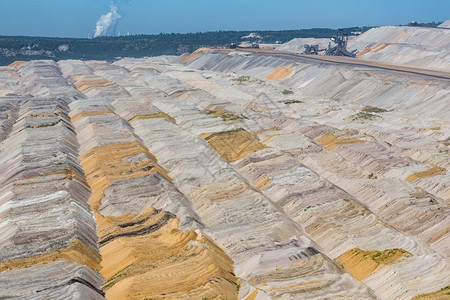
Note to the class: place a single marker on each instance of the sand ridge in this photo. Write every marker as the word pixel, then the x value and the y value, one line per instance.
pixel 362 263
pixel 138 250
pixel 281 73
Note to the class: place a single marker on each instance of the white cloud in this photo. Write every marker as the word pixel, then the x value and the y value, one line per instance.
pixel 106 22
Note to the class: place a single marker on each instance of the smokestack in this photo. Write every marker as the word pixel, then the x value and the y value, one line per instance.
pixel 107 23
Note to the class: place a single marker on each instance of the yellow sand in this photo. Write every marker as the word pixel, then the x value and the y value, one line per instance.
pixel 233 145
pixel 190 57
pixel 374 49
pixel 90 113
pixel 330 142
pixel 380 47
pixel 220 112
pixel 70 174
pixel 153 116
pixel 263 182
pixel 428 129
pixel 17 63
pixel 281 73
pixel 442 294
pixel 362 263
pixel 146 255
pixel 84 85
pixel 164 263
pixel 252 296
pixel 433 171
pixel 363 52
pixel 77 252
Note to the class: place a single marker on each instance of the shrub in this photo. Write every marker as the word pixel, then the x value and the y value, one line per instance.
pixel 373 109
pixel 242 79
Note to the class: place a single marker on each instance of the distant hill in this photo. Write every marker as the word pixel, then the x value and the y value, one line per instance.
pixel 14 48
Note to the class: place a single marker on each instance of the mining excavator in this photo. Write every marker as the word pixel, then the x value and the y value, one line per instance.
pixel 339 49
pixel 312 49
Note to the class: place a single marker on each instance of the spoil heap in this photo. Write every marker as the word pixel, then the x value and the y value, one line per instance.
pixel 414 46
pixel 147 178
pixel 49 245
pixel 141 243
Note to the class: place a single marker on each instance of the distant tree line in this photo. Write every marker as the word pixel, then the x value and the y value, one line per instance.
pixel 108 48
pixel 428 24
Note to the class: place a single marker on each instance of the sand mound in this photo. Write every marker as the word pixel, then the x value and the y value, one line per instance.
pixel 145 254
pixel 331 142
pixel 433 171
pixel 233 145
pixel 362 263
pixel 281 73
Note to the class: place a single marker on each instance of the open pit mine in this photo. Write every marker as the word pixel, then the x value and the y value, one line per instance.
pixel 230 174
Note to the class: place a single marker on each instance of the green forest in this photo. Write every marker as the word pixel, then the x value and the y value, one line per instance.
pixel 14 48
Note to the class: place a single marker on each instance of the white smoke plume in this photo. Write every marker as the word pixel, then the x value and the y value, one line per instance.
pixel 106 23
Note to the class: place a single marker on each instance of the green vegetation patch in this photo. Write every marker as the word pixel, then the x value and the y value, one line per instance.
pixel 226 116
pixel 364 116
pixel 373 109
pixel 287 92
pixel 292 101
pixel 379 257
pixel 242 79
pixel 371 176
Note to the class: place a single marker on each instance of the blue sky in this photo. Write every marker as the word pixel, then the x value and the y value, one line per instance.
pixel 77 18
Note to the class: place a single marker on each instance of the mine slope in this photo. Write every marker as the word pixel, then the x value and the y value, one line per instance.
pixel 414 46
pixel 223 175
